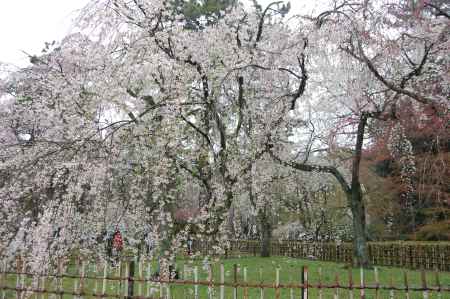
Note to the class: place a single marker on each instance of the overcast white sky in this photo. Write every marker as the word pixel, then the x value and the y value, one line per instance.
pixel 26 24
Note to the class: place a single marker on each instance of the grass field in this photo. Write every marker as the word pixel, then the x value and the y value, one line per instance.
pixel 259 270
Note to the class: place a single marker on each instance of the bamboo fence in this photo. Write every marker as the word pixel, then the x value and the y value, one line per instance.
pixel 136 279
pixel 417 255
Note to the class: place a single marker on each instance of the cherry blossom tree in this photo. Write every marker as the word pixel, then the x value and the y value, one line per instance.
pixel 105 127
pixel 378 53
pixel 97 125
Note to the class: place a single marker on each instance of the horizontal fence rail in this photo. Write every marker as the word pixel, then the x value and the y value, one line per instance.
pixel 136 279
pixel 404 255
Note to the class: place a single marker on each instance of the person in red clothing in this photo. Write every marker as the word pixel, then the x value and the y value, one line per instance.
pixel 117 241
pixel 115 246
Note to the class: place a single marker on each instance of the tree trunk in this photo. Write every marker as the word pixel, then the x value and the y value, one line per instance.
pixel 266 233
pixel 230 223
pixel 359 229
pixel 356 201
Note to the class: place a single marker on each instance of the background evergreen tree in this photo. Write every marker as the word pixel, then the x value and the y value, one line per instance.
pixel 201 13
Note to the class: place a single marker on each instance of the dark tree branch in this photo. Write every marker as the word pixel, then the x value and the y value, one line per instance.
pixel 141 8
pixel 310 142
pixel 304 78
pixel 420 98
pixel 203 77
pixel 238 39
pixel 261 22
pixel 418 69
pixel 440 11
pixel 132 117
pixel 313 168
pixel 197 129
pixel 240 103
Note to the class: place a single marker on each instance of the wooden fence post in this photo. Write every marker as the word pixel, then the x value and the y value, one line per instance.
pixel 363 290
pixel 18 276
pixel 119 278
pixel 235 281
pixel 391 287
pixel 222 281
pixel 262 281
pixel 75 281
pixel 42 288
pixel 210 280
pixel 3 279
pixel 320 283
pixel 277 283
pixel 82 274
pixel 405 276
pixel 196 282
pixel 350 283
pixel 438 285
pixel 424 284
pixel 105 272
pixel 291 290
pixel 377 283
pixel 161 289
pixel 304 282
pixel 169 278
pixel 140 265
pixel 95 291
pixel 336 289
pixel 130 278
pixel 149 276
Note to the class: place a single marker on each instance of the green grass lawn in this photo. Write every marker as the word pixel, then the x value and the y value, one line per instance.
pixel 259 270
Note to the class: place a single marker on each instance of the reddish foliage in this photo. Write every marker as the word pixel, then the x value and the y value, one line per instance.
pixel 428 130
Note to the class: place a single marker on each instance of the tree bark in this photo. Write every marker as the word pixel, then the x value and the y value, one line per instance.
pixel 356 201
pixel 359 229
pixel 266 233
pixel 230 224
